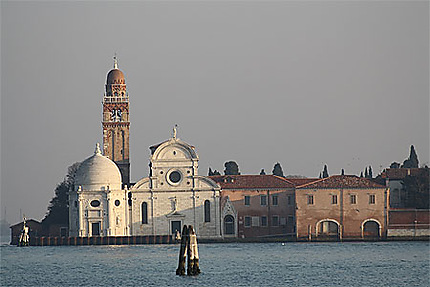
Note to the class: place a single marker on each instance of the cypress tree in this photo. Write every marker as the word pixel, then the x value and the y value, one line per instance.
pixel 325 172
pixel 262 172
pixel 342 172
pixel 413 157
pixel 370 172
pixel 277 170
pixel 366 174
pixel 412 161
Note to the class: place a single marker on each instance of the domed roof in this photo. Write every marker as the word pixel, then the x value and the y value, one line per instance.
pixel 114 77
pixel 98 172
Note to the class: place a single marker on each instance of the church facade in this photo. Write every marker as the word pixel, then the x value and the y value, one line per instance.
pixel 174 194
pixel 103 202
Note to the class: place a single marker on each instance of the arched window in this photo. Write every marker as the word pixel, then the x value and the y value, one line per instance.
pixel 144 213
pixel 207 211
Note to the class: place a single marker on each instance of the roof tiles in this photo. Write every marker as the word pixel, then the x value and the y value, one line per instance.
pixel 251 181
pixel 341 181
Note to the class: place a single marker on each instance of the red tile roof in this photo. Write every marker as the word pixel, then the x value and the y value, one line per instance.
pixel 341 181
pixel 251 181
pixel 300 181
pixel 401 173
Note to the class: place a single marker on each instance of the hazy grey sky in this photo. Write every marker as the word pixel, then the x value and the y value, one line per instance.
pixel 304 83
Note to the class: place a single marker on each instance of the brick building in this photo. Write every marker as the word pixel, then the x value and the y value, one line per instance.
pixel 256 205
pixel 340 207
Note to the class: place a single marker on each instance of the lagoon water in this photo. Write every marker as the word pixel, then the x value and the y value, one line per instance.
pixel 232 264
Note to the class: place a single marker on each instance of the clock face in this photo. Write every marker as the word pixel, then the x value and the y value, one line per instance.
pixel 116 115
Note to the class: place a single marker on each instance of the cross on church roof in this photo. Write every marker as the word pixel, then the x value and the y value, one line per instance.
pixel 115 62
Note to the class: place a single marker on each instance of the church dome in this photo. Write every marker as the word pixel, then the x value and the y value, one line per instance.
pixel 97 173
pixel 115 77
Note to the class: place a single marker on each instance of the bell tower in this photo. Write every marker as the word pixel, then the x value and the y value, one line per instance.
pixel 116 122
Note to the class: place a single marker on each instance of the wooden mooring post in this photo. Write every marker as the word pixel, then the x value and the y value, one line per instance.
pixel 189 251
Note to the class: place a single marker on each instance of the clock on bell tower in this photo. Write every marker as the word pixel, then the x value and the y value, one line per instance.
pixel 116 122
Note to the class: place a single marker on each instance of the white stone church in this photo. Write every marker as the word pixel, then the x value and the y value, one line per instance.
pixel 102 202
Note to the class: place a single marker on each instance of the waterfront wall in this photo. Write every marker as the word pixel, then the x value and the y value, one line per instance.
pixel 409 223
pixel 108 240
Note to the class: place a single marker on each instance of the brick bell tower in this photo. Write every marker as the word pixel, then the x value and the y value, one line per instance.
pixel 116 122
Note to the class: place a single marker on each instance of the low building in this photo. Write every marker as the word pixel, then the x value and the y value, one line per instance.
pixel 341 206
pixel 35 230
pixel 256 205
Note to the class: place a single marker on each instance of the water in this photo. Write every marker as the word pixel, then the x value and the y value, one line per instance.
pixel 241 264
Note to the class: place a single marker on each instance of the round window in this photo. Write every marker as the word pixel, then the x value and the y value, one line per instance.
pixel 117 202
pixel 175 176
pixel 95 203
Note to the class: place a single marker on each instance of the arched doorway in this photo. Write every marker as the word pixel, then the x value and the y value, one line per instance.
pixel 371 229
pixel 229 225
pixel 328 229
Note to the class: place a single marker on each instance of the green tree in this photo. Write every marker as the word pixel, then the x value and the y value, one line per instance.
pixel 262 172
pixel 395 165
pixel 325 172
pixel 370 173
pixel 366 174
pixel 231 168
pixel 214 172
pixel 342 172
pixel 417 191
pixel 412 161
pixel 58 209
pixel 277 170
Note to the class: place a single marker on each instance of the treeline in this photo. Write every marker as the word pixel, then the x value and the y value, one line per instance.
pixel 232 168
pixel 415 185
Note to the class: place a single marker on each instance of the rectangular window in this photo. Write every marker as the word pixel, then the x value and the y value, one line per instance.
pixel 334 199
pixel 274 200
pixel 353 198
pixel 372 199
pixel 247 200
pixel 263 199
pixel 283 221
pixel 247 221
pixel 275 220
pixel 290 200
pixel 310 199
pixel 255 221
pixel 263 221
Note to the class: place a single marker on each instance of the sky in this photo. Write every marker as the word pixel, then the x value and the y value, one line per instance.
pixel 302 83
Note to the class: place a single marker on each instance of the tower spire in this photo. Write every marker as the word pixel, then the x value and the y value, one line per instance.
pixel 115 62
